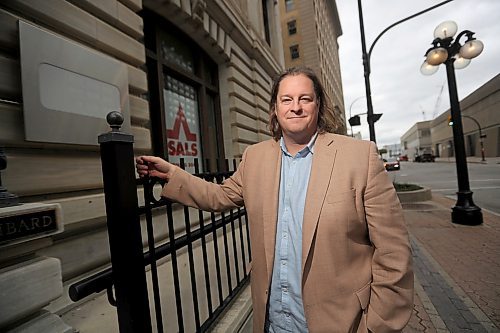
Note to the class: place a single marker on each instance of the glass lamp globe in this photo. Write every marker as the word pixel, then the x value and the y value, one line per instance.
pixel 428 69
pixel 471 49
pixel 460 62
pixel 445 30
pixel 437 56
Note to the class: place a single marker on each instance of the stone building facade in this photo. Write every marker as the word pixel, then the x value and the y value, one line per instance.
pixel 417 140
pixel 207 64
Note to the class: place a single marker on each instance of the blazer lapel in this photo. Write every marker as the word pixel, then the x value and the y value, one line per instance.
pixel 321 171
pixel 271 173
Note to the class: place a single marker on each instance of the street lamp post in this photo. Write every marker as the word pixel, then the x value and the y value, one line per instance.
pixel 371 117
pixel 366 66
pixel 449 51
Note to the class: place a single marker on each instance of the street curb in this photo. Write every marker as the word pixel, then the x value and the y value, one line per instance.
pixel 424 194
pixel 436 320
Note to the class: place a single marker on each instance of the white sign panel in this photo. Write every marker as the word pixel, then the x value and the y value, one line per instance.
pixel 182 123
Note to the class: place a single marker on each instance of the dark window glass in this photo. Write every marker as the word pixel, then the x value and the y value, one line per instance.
pixel 183 95
pixel 265 15
pixel 294 51
pixel 292 27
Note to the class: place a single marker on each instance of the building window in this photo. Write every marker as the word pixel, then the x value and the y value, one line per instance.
pixel 183 96
pixel 265 16
pixel 292 27
pixel 294 51
pixel 288 5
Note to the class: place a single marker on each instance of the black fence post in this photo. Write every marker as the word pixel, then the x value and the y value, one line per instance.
pixel 124 230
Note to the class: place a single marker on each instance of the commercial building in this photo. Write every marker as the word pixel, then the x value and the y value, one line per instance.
pixel 192 79
pixel 480 121
pixel 417 140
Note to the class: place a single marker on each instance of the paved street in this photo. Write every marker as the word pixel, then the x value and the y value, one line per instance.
pixel 441 177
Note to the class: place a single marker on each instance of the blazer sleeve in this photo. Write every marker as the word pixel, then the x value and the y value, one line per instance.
pixel 198 193
pixel 391 299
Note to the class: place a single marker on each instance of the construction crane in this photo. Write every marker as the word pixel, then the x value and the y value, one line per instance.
pixel 438 102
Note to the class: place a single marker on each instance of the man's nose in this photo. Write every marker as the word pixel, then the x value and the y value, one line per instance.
pixel 296 105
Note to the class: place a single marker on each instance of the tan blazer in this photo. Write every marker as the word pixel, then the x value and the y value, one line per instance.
pixel 356 258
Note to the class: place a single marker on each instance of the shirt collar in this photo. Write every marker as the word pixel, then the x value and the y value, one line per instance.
pixel 309 148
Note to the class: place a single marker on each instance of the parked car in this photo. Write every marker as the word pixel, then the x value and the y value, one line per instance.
pixel 391 164
pixel 425 158
pixel 403 158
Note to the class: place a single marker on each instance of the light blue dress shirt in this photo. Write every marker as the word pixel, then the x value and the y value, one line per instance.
pixel 286 311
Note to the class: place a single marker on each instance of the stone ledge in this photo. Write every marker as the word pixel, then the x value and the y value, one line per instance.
pixel 27 287
pixel 235 318
pixel 423 194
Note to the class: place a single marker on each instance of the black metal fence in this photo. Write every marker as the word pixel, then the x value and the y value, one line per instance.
pixel 194 264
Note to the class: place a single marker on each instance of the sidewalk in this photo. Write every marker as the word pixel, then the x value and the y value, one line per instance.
pixel 471 159
pixel 457 270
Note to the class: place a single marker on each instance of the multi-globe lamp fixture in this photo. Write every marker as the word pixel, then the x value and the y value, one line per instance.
pixel 447 49
pixel 444 48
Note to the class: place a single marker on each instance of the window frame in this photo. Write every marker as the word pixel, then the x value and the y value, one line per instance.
pixel 158 69
pixel 292 27
pixel 294 50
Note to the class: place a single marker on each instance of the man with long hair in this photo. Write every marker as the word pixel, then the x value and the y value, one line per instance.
pixel 330 249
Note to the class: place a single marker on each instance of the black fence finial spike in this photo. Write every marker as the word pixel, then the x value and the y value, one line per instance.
pixel 115 120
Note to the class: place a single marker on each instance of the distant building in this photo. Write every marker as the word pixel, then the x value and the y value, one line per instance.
pixel 393 150
pixel 480 122
pixel 310 30
pixel 417 140
pixel 479 110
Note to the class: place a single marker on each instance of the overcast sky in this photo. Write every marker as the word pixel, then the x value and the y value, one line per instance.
pixel 399 90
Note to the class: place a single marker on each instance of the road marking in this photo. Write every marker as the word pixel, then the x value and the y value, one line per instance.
pixel 472 188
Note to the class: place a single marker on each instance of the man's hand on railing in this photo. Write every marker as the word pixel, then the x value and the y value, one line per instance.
pixel 153 166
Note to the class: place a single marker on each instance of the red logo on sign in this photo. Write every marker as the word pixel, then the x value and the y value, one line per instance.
pixel 180 119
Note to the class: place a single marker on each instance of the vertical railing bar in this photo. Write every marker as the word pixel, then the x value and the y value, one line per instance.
pixel 240 224
pixel 233 233
pixel 226 245
pixel 216 249
pixel 217 259
pixel 235 247
pixel 248 238
pixel 192 272
pixel 148 190
pixel 226 252
pixel 175 270
pixel 243 256
pixel 204 251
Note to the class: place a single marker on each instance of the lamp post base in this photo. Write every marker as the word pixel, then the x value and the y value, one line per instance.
pixel 465 211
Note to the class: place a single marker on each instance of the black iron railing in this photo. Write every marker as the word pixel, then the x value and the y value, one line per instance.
pixel 214 248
